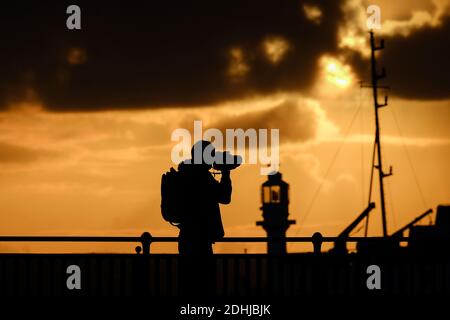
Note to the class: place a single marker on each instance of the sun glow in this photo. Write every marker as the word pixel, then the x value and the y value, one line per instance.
pixel 336 73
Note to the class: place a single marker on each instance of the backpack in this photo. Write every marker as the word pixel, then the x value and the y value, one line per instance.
pixel 171 197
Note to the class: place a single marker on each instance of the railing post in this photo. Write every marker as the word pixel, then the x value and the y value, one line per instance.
pixel 146 240
pixel 317 240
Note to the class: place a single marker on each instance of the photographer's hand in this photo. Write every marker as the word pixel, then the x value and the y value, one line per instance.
pixel 224 188
pixel 226 173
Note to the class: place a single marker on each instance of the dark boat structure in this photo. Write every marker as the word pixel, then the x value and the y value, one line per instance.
pixel 422 239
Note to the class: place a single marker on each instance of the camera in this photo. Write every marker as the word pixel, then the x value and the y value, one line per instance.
pixel 226 161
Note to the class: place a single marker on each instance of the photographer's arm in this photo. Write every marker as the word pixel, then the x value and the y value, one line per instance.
pixel 224 188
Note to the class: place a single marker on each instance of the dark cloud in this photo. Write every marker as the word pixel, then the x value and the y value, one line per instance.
pixel 10 153
pixel 165 53
pixel 418 66
pixel 156 54
pixel 302 124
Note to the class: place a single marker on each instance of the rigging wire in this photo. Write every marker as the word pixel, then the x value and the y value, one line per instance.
pixel 329 167
pixel 357 230
pixel 369 191
pixel 416 180
pixel 372 169
pixel 391 203
pixel 361 129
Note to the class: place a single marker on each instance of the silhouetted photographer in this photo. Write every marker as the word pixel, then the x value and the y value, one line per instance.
pixel 200 195
pixel 190 199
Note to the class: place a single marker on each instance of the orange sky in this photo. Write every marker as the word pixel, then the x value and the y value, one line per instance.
pixel 98 173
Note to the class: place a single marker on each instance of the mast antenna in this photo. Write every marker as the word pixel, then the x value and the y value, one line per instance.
pixel 377 144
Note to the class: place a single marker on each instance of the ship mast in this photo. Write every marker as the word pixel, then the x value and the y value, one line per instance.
pixel 377 146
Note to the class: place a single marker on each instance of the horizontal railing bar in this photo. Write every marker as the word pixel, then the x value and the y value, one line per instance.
pixel 308 239
pixel 175 239
pixel 68 239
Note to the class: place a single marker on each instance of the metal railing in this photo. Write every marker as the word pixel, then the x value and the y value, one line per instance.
pixel 230 275
pixel 146 239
